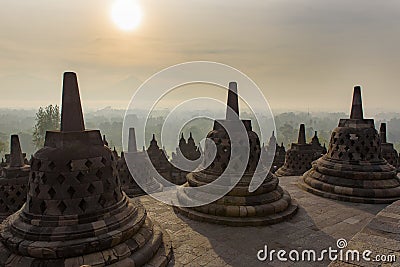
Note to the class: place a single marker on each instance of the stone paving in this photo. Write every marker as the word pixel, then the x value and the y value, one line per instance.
pixel 381 236
pixel 317 225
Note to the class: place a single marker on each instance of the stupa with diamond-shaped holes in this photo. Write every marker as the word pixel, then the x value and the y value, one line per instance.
pixel 268 204
pixel 13 181
pixel 76 213
pixel 187 157
pixel 389 153
pixel 139 168
pixel 353 169
pixel 299 157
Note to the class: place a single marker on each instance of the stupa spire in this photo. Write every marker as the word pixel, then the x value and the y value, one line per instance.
pixel 16 157
pixel 132 147
pixel 382 133
pixel 71 109
pixel 232 108
pixel 356 107
pixel 302 135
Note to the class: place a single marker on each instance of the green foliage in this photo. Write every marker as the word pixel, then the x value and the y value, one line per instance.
pixel 2 148
pixel 47 119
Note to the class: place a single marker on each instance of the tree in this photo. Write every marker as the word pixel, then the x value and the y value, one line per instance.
pixel 47 119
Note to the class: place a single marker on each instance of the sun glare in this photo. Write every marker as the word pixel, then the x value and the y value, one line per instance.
pixel 126 14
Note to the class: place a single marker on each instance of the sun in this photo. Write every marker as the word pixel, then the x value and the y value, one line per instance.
pixel 126 14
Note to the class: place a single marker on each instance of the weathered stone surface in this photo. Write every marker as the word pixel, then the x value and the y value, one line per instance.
pixel 139 170
pixel 269 204
pixel 13 180
pixel 300 155
pixel 381 236
pixel 76 210
pixel 354 169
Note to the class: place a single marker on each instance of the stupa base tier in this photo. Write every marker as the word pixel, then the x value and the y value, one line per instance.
pixel 367 196
pixel 232 215
pixel 137 251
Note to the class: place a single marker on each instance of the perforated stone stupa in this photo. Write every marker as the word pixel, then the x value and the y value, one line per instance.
pixel 13 181
pixel 187 157
pixel 299 157
pixel 267 205
pixel 389 153
pixel 76 213
pixel 140 167
pixel 160 161
pixel 277 157
pixel 354 169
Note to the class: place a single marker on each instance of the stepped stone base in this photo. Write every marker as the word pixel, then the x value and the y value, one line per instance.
pixel 269 204
pixel 345 193
pixel 150 245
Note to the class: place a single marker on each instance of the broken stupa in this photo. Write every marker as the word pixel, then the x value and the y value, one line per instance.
pixel 268 204
pixel 389 153
pixel 299 157
pixel 353 169
pixel 139 168
pixel 13 181
pixel 76 213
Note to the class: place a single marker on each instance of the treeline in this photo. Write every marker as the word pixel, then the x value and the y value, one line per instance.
pixel 110 122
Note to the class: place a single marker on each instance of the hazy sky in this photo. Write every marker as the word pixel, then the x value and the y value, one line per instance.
pixel 303 54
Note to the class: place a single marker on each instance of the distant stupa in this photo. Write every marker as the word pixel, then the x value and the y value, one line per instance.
pixel 139 168
pixel 353 169
pixel 269 204
pixel 186 156
pixel 299 157
pixel 76 213
pixel 388 151
pixel 13 181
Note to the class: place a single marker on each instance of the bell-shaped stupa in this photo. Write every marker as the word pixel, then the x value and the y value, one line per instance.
pixel 76 213
pixel 13 181
pixel 277 156
pixel 353 169
pixel 299 157
pixel 185 159
pixel 268 204
pixel 139 168
pixel 388 151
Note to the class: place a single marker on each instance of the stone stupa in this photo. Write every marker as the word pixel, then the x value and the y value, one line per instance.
pixel 277 157
pixel 13 181
pixel 140 167
pixel 159 159
pixel 268 204
pixel 187 156
pixel 353 169
pixel 76 213
pixel 299 157
pixel 389 153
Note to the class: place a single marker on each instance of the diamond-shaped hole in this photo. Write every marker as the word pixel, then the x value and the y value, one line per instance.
pixel 52 165
pixel 37 190
pixel 91 189
pixel 88 163
pixel 71 191
pixel 52 192
pixel 80 176
pixel 102 201
pixel 60 178
pixel 99 174
pixel 62 207
pixel 43 207
pixel 83 205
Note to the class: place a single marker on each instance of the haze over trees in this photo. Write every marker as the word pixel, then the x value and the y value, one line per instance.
pixel 31 126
